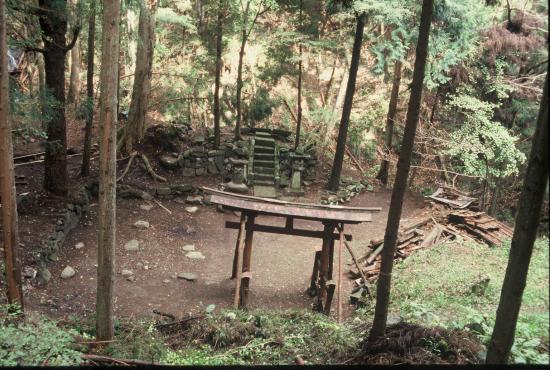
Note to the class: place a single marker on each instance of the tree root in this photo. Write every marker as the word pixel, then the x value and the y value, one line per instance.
pixel 147 165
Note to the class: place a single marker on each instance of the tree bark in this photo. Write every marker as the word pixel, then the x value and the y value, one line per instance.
pixel 299 113
pixel 219 40
pixel 107 171
pixel 7 177
pixel 334 181
pixel 85 169
pixel 392 110
pixel 134 129
pixel 74 78
pixel 54 27
pixel 403 167
pixel 244 37
pixel 525 232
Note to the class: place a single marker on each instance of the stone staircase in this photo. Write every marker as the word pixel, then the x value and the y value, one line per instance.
pixel 264 165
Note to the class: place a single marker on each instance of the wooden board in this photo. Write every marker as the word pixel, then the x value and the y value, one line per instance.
pixel 304 211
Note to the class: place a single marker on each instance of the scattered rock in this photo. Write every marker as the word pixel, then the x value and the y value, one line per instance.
pixel 166 281
pixel 141 224
pixel 192 209
pixel 146 267
pixel 146 207
pixel 126 273
pixel 132 245
pixel 29 272
pixel 188 248
pixel 139 265
pixel 131 278
pixel 231 315
pixel 67 272
pixel 194 255
pixel 194 199
pixel 189 276
pixel 79 245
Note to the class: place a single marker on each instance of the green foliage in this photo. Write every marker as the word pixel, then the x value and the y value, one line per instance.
pixel 261 106
pixel 27 113
pixel 436 287
pixel 481 146
pixel 167 15
pixel 266 337
pixel 34 341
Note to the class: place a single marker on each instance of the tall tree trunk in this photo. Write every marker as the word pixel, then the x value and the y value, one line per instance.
pixel 132 20
pixel 7 177
pixel 85 170
pixel 240 88
pixel 244 37
pixel 107 171
pixel 403 167
pixel 390 120
pixel 134 129
pixel 334 181
pixel 219 40
pixel 299 113
pixel 54 27
pixel 525 232
pixel 74 78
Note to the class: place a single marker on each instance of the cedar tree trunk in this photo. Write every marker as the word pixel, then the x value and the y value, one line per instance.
pixel 7 177
pixel 85 170
pixel 392 110
pixel 135 127
pixel 403 167
pixel 525 233
pixel 107 171
pixel 334 181
pixel 219 40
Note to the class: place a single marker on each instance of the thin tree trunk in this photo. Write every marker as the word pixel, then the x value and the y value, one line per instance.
pixel 7 177
pixel 219 40
pixel 334 181
pixel 299 113
pixel 525 232
pixel 133 26
pixel 135 127
pixel 107 171
pixel 392 110
pixel 400 184
pixel 74 79
pixel 239 89
pixel 85 170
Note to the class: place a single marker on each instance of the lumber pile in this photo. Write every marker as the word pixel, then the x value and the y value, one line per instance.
pixel 481 226
pixel 442 224
pixel 422 234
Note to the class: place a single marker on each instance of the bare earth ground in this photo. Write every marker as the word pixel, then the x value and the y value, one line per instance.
pixel 281 265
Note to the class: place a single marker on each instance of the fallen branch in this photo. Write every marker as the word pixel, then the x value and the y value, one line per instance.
pixel 163 207
pixel 112 360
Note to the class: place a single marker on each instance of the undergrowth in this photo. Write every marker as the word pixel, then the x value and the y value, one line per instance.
pixel 457 285
pixel 34 340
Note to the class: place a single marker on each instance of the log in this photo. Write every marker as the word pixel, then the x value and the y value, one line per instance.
pixel 118 361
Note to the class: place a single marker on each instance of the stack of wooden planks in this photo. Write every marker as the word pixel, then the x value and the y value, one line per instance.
pixel 481 226
pixel 425 233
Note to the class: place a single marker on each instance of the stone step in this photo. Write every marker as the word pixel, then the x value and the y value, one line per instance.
pixel 264 170
pixel 259 163
pixel 264 156
pixel 263 177
pixel 264 182
pixel 263 134
pixel 263 149
pixel 265 191
pixel 264 141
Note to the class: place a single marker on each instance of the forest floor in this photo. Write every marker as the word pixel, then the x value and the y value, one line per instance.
pixel 432 287
pixel 281 264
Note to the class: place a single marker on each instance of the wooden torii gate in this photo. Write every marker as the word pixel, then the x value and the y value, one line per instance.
pixel 332 217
